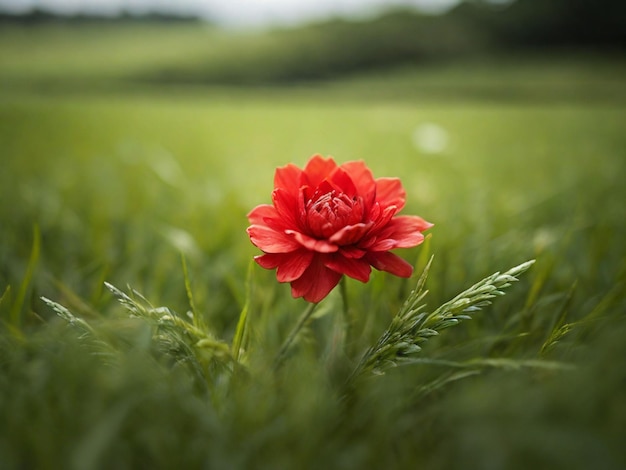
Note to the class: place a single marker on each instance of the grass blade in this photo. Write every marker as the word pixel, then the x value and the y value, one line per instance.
pixel 242 324
pixel 15 315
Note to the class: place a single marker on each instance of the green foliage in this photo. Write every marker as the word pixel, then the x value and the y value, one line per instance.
pixel 412 326
pixel 183 341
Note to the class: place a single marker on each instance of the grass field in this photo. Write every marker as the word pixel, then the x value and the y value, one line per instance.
pixel 107 179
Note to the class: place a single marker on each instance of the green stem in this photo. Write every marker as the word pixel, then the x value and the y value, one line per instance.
pixel 304 318
pixel 347 319
pixel 242 324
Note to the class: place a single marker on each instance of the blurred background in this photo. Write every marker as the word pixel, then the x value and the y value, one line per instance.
pixel 134 131
pixel 69 43
pixel 126 123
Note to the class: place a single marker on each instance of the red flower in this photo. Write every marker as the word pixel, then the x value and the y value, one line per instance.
pixel 330 220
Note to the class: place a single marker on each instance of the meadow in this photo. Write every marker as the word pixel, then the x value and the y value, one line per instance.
pixel 145 185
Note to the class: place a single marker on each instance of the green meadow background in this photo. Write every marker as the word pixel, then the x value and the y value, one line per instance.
pixel 123 147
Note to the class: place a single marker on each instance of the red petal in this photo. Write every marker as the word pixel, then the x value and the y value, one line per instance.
pixel 352 252
pixel 318 224
pixel 321 246
pixel 316 282
pixel 383 219
pixel 385 261
pixel 343 182
pixel 293 265
pixel 290 265
pixel 391 243
pixel 318 169
pixel 286 205
pixel 269 260
pixel 270 240
pixel 374 212
pixel 350 234
pixel 384 244
pixel 322 188
pixel 268 215
pixel 389 192
pixel 289 178
pixel 401 232
pixel 363 180
pixel 356 268
pixel 302 206
pixel 418 223
pixel 257 215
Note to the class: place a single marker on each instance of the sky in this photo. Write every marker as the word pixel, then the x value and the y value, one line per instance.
pixel 234 12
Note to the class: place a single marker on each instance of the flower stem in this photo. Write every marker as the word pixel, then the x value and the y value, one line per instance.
pixel 347 319
pixel 304 318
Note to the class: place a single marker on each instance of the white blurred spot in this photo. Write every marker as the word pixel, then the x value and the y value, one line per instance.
pixel 159 160
pixel 430 138
pixel 543 238
pixel 181 240
pixel 166 167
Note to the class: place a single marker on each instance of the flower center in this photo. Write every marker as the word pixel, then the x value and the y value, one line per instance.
pixel 331 211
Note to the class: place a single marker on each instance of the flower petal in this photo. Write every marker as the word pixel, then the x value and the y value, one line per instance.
pixel 268 215
pixel 401 232
pixel 318 169
pixel 363 180
pixel 383 218
pixel 258 215
pixel 287 209
pixel 350 234
pixel 294 265
pixel 418 223
pixel 389 192
pixel 290 265
pixel 386 261
pixel 342 182
pixel 269 260
pixel 289 178
pixel 356 268
pixel 272 241
pixel 321 246
pixel 352 252
pixel 316 282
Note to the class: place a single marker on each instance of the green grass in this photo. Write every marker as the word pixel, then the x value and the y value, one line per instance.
pixel 116 184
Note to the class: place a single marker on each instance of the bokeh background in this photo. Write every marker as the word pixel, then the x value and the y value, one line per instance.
pixel 132 132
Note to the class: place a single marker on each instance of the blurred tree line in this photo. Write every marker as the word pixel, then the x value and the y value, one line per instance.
pixel 545 23
pixel 399 37
pixel 38 16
